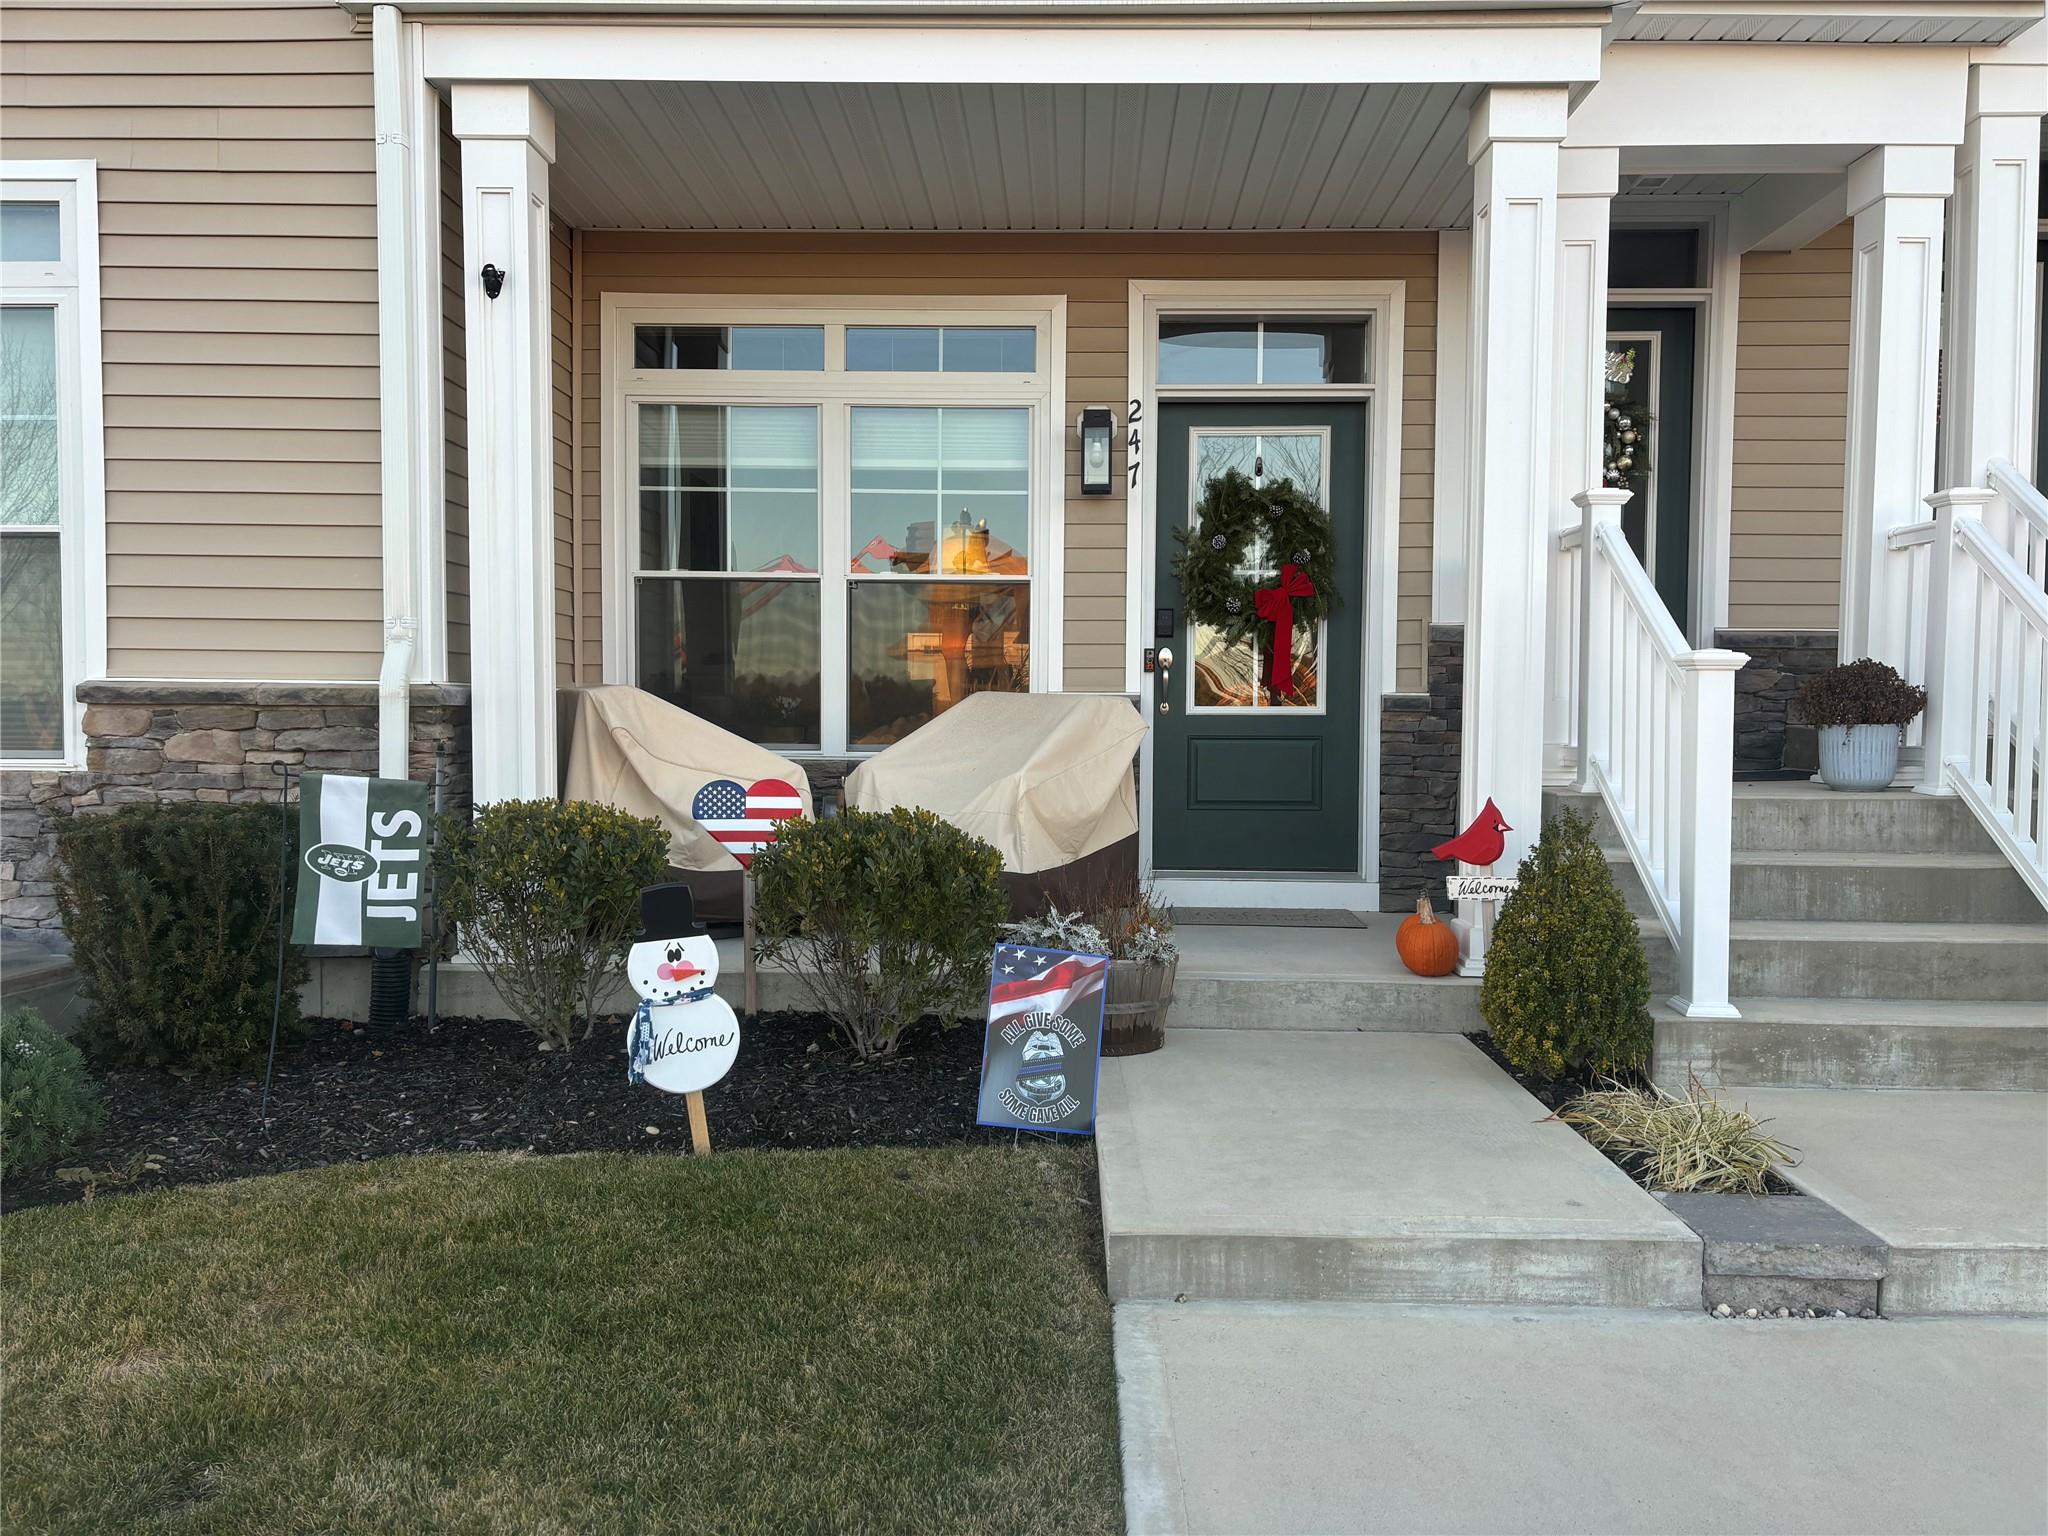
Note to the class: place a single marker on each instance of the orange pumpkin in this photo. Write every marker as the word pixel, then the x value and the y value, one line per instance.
pixel 1426 946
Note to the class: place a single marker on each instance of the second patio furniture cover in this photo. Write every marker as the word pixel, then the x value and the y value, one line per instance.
pixel 643 755
pixel 1046 777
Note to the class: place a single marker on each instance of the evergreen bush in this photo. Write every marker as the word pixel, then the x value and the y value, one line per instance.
pixel 1567 987
pixel 547 897
pixel 884 916
pixel 47 1103
pixel 173 914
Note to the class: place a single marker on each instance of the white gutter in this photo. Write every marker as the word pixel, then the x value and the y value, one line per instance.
pixel 396 418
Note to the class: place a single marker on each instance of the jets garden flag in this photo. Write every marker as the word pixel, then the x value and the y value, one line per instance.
pixel 363 856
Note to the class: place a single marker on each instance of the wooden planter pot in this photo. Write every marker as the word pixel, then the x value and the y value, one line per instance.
pixel 1134 1017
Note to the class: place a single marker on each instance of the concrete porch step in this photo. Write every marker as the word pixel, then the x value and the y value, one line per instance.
pixel 1770 884
pixel 1811 818
pixel 1317 1166
pixel 1930 962
pixel 1312 979
pixel 1807 1042
pixel 1956 1184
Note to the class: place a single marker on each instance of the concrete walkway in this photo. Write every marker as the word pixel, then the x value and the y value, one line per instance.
pixel 1259 1418
pixel 1955 1182
pixel 1311 1166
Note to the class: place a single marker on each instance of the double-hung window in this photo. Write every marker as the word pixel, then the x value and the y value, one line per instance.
pixel 50 483
pixel 835 516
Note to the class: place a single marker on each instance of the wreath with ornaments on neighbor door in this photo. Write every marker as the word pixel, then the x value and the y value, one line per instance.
pixel 1278 528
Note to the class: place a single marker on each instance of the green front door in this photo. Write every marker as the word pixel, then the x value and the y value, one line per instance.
pixel 1244 782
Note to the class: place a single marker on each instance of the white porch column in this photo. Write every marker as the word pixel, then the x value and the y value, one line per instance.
pixel 1897 198
pixel 1513 149
pixel 1587 180
pixel 1989 369
pixel 508 142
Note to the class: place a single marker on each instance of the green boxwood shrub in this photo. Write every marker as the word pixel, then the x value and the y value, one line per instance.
pixel 1567 987
pixel 173 915
pixel 885 917
pixel 47 1103
pixel 547 897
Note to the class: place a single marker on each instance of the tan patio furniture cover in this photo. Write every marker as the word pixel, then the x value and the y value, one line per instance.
pixel 642 755
pixel 1046 777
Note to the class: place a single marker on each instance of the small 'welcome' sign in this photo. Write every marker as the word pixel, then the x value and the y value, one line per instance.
pixel 363 865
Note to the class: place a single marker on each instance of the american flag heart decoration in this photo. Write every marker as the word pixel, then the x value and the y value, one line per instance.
pixel 745 818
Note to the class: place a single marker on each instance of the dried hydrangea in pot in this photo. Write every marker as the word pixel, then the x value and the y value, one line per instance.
pixel 1128 924
pixel 1860 710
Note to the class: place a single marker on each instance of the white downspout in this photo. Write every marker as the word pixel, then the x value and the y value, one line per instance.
pixel 396 418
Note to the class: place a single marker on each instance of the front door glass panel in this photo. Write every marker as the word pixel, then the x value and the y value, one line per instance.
pixel 1228 674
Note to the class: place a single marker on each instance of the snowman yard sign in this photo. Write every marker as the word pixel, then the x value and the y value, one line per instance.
pixel 684 1036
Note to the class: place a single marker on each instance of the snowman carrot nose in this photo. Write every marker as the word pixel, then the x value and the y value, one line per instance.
pixel 680 972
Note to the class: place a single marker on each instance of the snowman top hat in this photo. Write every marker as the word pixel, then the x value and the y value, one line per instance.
pixel 668 912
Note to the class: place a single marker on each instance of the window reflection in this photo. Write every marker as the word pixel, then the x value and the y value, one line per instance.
pixel 918 648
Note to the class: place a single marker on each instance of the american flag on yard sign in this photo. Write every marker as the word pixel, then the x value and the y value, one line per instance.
pixel 745 820
pixel 1030 980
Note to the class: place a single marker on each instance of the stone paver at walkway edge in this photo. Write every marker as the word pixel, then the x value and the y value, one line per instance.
pixel 1250 1418
pixel 1279 1165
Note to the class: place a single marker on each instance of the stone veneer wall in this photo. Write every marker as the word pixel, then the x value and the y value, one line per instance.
pixel 152 743
pixel 1419 773
pixel 1780 661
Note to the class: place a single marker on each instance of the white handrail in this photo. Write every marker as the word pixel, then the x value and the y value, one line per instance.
pixel 1654 736
pixel 1987 665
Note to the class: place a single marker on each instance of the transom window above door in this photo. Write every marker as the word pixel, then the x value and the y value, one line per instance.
pixel 831 551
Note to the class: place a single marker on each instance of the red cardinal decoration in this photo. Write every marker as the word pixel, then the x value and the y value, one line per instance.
pixel 1480 843
pixel 1276 606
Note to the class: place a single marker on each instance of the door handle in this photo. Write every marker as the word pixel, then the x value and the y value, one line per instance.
pixel 1164 687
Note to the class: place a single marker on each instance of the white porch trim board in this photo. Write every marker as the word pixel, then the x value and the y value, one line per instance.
pixel 1452 504
pixel 1990 370
pixel 1897 198
pixel 1587 182
pixel 507 134
pixel 1513 150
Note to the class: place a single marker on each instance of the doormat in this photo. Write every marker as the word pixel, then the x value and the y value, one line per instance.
pixel 1267 917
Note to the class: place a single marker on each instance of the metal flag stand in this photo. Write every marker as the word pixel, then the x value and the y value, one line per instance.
pixel 284 928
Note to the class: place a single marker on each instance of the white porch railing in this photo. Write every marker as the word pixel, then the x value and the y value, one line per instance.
pixel 1650 724
pixel 1977 638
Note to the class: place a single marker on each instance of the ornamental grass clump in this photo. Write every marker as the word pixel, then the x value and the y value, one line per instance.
pixel 47 1103
pixel 1690 1145
pixel 547 897
pixel 1567 987
pixel 173 914
pixel 884 917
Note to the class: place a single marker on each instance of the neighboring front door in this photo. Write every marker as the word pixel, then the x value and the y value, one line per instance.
pixel 1658 519
pixel 1244 782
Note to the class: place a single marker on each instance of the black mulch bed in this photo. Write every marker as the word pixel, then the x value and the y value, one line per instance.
pixel 349 1094
pixel 1555 1092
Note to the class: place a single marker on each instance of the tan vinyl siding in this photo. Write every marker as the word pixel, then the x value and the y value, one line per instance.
pixel 238 322
pixel 1094 272
pixel 454 407
pixel 561 373
pixel 1791 422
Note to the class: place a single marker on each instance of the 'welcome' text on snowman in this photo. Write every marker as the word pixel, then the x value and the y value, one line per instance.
pixel 684 1036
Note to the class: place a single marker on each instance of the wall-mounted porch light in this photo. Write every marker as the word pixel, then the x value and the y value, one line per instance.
pixel 1098 422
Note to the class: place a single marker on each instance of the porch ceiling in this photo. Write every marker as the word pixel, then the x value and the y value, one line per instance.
pixel 782 156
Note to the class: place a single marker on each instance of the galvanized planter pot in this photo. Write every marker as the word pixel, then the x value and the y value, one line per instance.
pixel 1134 1017
pixel 1859 756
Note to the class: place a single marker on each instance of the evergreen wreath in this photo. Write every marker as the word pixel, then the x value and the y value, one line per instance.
pixel 1232 516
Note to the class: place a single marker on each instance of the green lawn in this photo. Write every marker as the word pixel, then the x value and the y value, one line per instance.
pixel 759 1341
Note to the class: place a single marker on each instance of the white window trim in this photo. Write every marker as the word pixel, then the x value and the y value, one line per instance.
pixel 1385 302
pixel 1043 392
pixel 72 287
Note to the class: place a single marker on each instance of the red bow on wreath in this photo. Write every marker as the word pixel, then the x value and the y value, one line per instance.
pixel 1276 606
